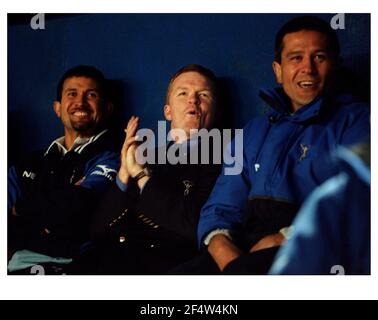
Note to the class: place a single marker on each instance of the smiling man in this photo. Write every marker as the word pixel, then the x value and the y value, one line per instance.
pixel 52 193
pixel 306 66
pixel 248 216
pixel 79 107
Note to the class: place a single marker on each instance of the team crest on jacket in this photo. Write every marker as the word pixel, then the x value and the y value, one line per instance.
pixel 304 151
pixel 188 184
pixel 105 172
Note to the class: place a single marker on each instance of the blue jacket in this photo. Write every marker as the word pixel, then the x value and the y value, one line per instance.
pixel 332 229
pixel 281 166
pixel 58 192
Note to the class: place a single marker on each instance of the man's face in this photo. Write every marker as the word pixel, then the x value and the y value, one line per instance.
pixel 307 66
pixel 80 108
pixel 191 102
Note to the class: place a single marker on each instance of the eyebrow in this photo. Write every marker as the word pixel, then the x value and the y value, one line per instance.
pixel 290 53
pixel 75 89
pixel 181 88
pixel 301 51
pixel 186 88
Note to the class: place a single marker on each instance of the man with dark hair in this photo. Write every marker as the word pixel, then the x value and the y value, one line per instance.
pixel 51 194
pixel 147 223
pixel 248 216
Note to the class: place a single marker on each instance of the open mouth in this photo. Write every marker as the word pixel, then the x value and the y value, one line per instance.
pixel 308 84
pixel 80 113
pixel 192 113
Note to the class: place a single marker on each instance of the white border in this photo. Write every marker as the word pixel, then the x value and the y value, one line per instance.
pixel 188 287
pixel 172 6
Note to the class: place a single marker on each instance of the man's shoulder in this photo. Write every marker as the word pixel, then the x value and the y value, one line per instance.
pixel 259 120
pixel 344 111
pixel 30 159
pixel 347 103
pixel 105 142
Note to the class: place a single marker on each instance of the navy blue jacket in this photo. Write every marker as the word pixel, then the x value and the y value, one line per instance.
pixel 152 231
pixel 281 164
pixel 54 195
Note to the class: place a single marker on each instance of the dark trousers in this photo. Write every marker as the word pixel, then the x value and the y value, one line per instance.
pixel 256 263
pixel 139 259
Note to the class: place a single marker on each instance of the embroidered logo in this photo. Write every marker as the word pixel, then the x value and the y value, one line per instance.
pixel 188 184
pixel 104 171
pixel 257 167
pixel 304 151
pixel 30 175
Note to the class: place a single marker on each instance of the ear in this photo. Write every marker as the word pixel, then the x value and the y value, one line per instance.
pixel 277 71
pixel 57 108
pixel 167 112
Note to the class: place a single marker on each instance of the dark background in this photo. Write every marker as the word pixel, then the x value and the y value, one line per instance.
pixel 139 53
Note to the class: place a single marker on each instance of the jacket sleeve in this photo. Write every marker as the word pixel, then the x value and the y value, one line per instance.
pixel 101 171
pixel 224 207
pixel 13 187
pixel 175 207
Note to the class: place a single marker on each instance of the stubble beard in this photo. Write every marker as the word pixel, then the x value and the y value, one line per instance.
pixel 84 128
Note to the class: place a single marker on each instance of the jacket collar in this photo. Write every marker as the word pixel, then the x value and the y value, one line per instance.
pixel 280 104
pixel 79 144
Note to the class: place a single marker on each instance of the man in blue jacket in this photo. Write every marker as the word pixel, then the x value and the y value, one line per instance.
pixel 247 216
pixel 52 193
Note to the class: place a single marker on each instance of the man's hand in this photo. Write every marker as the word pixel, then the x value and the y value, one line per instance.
pixel 269 241
pixel 223 250
pixel 134 167
pixel 128 152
